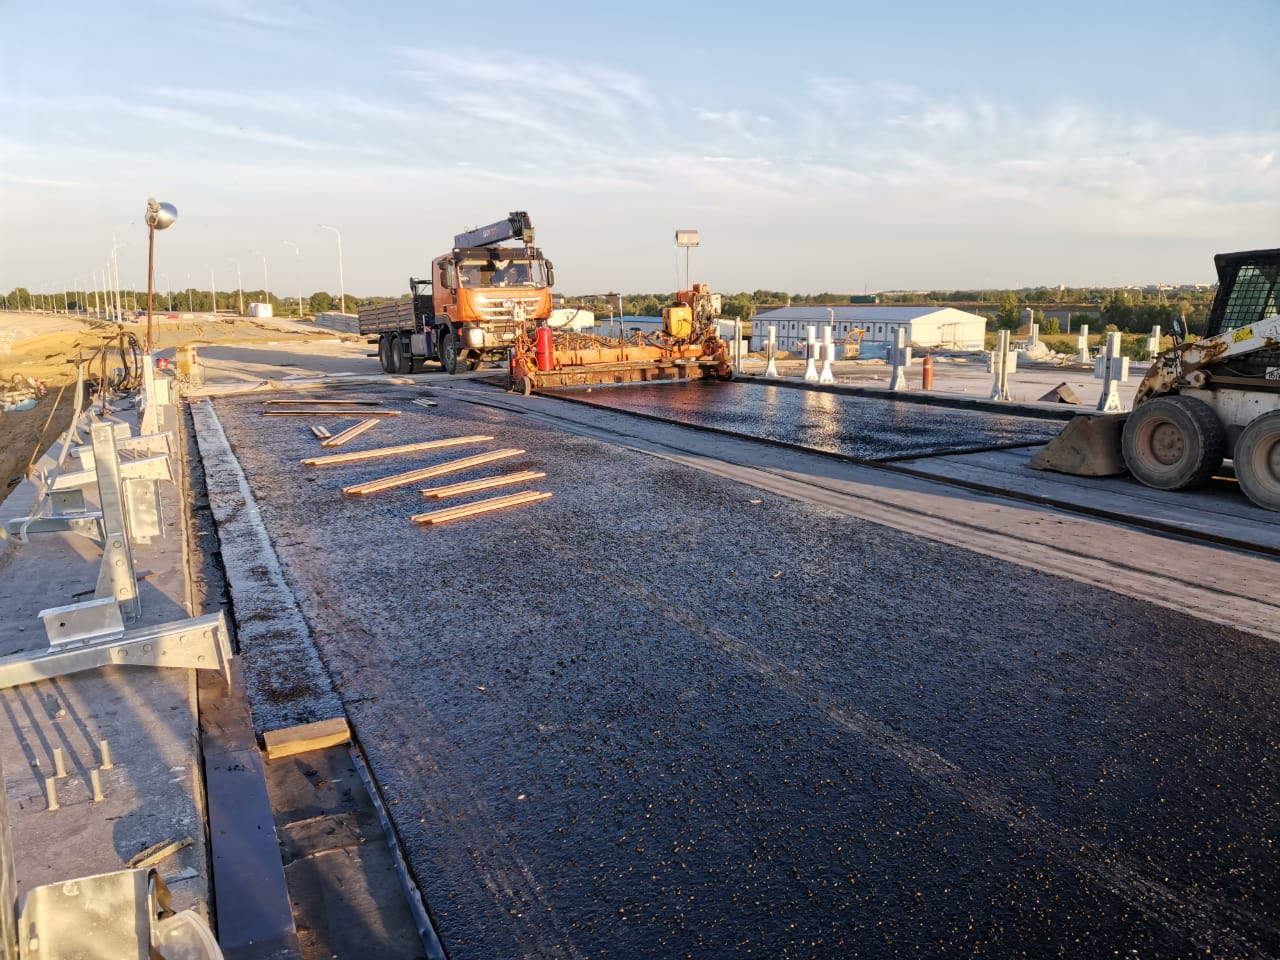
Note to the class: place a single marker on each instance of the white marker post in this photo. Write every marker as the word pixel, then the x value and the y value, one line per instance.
pixel 828 352
pixel 1082 345
pixel 900 357
pixel 1112 369
pixel 771 352
pixel 811 367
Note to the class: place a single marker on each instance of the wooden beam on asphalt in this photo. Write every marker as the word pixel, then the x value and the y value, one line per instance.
pixel 354 455
pixel 487 483
pixel 307 736
pixel 480 506
pixel 426 473
pixel 321 433
pixel 314 401
pixel 329 412
pixel 350 433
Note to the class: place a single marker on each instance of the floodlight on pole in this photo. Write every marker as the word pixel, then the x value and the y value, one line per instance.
pixel 342 292
pixel 687 239
pixel 159 216
pixel 297 261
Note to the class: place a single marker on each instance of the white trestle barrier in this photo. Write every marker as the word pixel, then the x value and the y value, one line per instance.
pixel 771 352
pixel 1082 344
pixel 1153 343
pixel 811 364
pixel 1000 364
pixel 828 352
pixel 900 357
pixel 1112 369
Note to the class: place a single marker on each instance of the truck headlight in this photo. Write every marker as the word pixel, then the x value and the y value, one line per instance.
pixel 475 338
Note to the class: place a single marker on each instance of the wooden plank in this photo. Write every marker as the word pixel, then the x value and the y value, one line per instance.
pixel 426 473
pixel 354 455
pixel 487 483
pixel 320 433
pixel 351 433
pixel 328 412
pixel 307 736
pixel 450 514
pixel 314 401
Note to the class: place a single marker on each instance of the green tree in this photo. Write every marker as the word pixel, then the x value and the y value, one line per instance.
pixel 1008 316
pixel 321 302
pixel 1050 326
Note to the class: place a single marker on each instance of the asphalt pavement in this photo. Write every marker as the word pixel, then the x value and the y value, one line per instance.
pixel 666 714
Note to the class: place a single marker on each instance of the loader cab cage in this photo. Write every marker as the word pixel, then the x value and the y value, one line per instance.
pixel 1248 291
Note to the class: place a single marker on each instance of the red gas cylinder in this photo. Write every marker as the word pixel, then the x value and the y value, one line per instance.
pixel 927 372
pixel 543 351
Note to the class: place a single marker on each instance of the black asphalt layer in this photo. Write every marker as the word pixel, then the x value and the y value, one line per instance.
pixel 663 715
pixel 865 428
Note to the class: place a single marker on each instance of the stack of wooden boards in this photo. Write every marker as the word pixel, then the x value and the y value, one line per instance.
pixel 347 408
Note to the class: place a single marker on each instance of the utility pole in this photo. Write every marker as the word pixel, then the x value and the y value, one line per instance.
pixel 297 259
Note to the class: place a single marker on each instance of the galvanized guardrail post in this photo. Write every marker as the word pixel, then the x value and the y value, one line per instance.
pixel 1082 344
pixel 1153 342
pixel 771 352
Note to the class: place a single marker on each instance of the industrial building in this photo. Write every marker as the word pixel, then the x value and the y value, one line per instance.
pixel 936 327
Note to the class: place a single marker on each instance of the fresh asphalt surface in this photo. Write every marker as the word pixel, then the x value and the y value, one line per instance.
pixel 866 428
pixel 663 714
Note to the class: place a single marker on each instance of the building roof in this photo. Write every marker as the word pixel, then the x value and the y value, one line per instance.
pixel 861 313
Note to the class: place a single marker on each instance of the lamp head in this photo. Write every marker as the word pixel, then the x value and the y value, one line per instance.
pixel 160 215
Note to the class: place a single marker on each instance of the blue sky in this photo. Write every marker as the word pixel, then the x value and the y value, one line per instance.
pixel 816 146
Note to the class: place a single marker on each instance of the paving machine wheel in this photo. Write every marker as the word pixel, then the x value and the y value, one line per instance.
pixel 449 353
pixel 1257 460
pixel 1174 442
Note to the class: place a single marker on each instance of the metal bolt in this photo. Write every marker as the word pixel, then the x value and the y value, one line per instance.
pixel 105 749
pixel 96 779
pixel 59 763
pixel 51 791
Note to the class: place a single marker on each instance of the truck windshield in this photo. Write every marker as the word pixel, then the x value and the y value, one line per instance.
pixel 502 273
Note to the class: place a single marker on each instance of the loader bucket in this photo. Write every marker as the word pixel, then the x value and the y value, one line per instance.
pixel 1088 446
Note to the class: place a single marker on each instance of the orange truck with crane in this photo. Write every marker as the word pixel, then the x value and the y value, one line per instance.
pixel 478 300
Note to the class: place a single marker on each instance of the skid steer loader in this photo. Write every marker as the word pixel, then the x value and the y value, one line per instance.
pixel 1201 402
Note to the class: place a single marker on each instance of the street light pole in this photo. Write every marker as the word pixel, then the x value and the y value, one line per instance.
pixel 158 217
pixel 297 261
pixel 190 296
pixel 342 292
pixel 168 291
pixel 266 288
pixel 239 287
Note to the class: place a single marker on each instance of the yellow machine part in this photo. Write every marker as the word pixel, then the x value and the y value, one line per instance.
pixel 678 322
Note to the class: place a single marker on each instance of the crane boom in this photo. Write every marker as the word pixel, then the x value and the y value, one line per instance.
pixel 517 226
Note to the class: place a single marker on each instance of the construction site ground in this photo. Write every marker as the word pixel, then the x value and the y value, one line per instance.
pixel 521 730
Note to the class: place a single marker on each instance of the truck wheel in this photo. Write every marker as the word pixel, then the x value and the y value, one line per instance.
pixel 384 353
pixel 401 359
pixel 474 362
pixel 1171 443
pixel 449 353
pixel 1257 460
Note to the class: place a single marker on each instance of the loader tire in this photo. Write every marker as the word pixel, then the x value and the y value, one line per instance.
pixel 1257 460
pixel 449 353
pixel 1171 443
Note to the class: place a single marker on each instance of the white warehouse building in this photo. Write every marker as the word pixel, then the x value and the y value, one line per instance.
pixel 935 327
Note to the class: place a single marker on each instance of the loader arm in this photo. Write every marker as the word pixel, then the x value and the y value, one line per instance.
pixel 1184 365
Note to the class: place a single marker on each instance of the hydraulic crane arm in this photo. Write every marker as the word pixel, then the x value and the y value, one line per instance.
pixel 517 226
